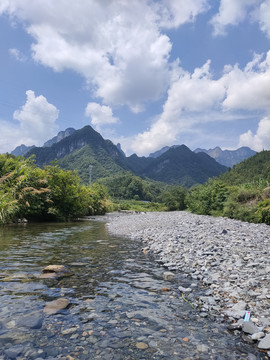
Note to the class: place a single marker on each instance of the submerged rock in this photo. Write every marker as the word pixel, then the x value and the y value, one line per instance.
pixel 54 306
pixel 54 271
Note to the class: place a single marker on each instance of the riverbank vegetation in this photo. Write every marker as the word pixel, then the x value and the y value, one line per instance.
pixel 242 193
pixel 51 193
pixel 48 194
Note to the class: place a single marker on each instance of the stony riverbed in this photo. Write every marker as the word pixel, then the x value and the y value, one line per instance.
pixel 231 258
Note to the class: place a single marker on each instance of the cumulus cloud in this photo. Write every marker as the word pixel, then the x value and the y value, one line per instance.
pixel 100 115
pixel 188 96
pixel 260 140
pixel 249 88
pixel 123 54
pixel 264 17
pixel 35 123
pixel 198 98
pixel 231 12
pixel 174 13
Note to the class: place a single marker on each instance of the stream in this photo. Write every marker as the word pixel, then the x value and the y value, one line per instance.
pixel 120 306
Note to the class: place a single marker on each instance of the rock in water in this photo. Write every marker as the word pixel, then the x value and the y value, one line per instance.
pixel 54 306
pixel 53 271
pixel 141 345
pixel 32 321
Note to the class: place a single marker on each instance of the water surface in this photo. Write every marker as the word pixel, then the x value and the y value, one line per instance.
pixel 120 305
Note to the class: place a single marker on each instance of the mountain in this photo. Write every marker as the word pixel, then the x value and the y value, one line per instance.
pixel 254 170
pixel 21 150
pixel 85 147
pixel 228 158
pixel 162 151
pixel 180 165
pixel 138 164
pixel 81 149
pixel 60 136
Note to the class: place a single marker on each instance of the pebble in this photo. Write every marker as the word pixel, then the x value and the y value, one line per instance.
pixel 229 256
pixel 55 306
pixel 264 344
pixel 141 345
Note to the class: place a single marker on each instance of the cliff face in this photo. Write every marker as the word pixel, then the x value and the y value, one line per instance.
pixel 60 136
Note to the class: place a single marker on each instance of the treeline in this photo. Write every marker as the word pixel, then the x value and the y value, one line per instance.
pixel 247 202
pixel 48 194
pixel 241 193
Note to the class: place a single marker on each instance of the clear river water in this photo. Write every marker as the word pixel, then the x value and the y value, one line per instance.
pixel 120 306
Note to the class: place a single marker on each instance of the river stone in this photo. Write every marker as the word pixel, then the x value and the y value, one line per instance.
pixel 14 351
pixel 184 290
pixel 55 268
pixel 202 348
pixel 54 306
pixel 69 331
pixel 264 344
pixel 32 321
pixel 54 271
pixel 141 345
pixel 167 275
pixel 257 336
pixel 249 328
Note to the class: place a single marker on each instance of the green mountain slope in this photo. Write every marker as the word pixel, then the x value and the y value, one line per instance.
pixel 251 170
pixel 83 148
pixel 182 166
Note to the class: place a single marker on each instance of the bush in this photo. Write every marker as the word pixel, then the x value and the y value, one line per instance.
pixel 263 212
pixel 175 198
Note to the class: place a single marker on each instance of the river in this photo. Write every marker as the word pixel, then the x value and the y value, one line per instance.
pixel 120 305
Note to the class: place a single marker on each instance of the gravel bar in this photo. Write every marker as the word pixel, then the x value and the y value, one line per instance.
pixel 230 257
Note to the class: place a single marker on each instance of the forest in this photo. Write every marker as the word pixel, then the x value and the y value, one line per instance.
pixel 53 194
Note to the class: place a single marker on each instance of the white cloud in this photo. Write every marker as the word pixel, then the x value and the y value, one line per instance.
pixel 118 45
pixel 35 123
pixel 188 97
pixel 197 98
pixel 17 54
pixel 177 12
pixel 260 140
pixel 231 12
pixel 249 89
pixel 100 115
pixel 264 17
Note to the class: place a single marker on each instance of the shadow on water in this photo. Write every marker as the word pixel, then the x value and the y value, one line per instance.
pixel 120 307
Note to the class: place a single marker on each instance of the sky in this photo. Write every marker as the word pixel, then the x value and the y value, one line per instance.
pixel 143 73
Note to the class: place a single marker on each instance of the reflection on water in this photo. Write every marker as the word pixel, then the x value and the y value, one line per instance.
pixel 119 305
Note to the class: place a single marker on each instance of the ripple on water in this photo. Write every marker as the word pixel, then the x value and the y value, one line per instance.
pixel 120 305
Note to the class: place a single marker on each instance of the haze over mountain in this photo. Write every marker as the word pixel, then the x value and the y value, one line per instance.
pixel 85 147
pixel 228 158
pixel 22 149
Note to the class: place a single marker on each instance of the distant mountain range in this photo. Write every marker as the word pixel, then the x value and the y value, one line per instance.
pixel 78 149
pixel 228 158
pixel 21 150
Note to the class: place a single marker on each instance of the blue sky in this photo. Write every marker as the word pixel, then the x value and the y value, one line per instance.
pixel 143 73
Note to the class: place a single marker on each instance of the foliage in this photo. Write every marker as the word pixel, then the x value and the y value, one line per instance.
pixel 208 199
pixel 263 212
pixel 140 206
pixel 254 171
pixel 128 186
pixel 174 198
pixel 27 191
